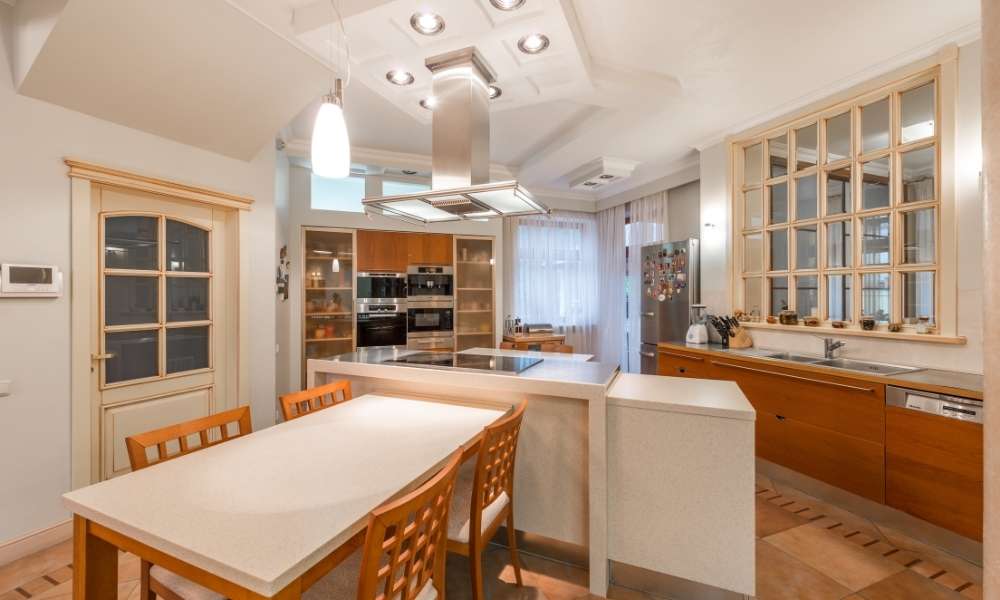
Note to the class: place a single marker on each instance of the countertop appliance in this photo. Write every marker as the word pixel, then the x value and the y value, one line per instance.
pixel 934 458
pixel 669 288
pixel 539 329
pixel 698 331
pixel 430 325
pixel 429 283
pixel 381 323
pixel 467 362
pixel 381 288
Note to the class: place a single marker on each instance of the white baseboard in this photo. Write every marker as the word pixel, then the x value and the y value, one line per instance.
pixel 33 542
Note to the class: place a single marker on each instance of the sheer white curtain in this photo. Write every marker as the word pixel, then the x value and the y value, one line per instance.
pixel 647 224
pixel 611 347
pixel 552 274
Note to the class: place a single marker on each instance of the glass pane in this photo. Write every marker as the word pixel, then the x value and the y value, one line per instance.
pixel 131 300
pixel 806 146
pixel 918 236
pixel 779 294
pixel 918 295
pixel 805 247
pixel 753 292
pixel 838 137
pixel 839 252
pixel 805 198
pixel 838 191
pixel 135 355
pixel 807 296
pixel 337 194
pixel 838 297
pixel 187 248
pixel 875 296
pixel 131 243
pixel 753 157
pixel 875 126
pixel 753 252
pixel 875 240
pixel 779 250
pixel 187 349
pixel 875 184
pixel 778 203
pixel 916 113
pixel 187 299
pixel 753 204
pixel 918 175
pixel 777 156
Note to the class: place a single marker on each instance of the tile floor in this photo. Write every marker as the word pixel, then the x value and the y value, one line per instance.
pixel 806 550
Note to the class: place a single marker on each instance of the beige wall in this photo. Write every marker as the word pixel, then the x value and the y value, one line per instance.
pixel 991 275
pixel 34 228
pixel 715 208
pixel 684 211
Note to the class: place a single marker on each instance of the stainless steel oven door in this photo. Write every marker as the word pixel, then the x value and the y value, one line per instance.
pixel 425 319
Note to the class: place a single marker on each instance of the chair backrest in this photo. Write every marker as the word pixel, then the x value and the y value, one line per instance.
pixel 211 430
pixel 296 404
pixel 506 345
pixel 495 464
pixel 406 543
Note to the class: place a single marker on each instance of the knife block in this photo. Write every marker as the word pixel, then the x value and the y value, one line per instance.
pixel 741 339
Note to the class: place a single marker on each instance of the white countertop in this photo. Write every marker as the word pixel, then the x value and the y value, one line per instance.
pixel 262 509
pixel 681 394
pixel 534 353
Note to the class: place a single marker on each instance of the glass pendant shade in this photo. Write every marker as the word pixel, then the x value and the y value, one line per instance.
pixel 331 146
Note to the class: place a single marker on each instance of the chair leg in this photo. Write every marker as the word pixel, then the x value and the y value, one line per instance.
pixel 515 558
pixel 144 592
pixel 476 569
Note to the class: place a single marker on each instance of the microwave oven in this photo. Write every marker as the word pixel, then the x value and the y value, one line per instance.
pixel 30 281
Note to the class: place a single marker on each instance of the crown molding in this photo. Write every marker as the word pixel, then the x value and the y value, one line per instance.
pixel 940 49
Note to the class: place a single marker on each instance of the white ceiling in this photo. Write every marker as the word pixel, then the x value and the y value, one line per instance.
pixel 651 80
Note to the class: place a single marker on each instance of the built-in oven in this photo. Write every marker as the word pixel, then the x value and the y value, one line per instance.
pixel 381 324
pixel 381 287
pixel 430 325
pixel 430 283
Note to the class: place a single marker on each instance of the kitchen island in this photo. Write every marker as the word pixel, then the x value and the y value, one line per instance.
pixel 629 471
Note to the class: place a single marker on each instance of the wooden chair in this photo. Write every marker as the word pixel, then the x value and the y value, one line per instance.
pixel 479 510
pixel 296 404
pixel 404 552
pixel 211 431
pixel 564 348
pixel 507 345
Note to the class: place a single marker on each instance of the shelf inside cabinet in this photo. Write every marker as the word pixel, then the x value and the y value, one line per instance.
pixel 329 314
pixel 333 339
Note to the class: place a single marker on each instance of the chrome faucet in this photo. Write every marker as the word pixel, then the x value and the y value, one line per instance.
pixel 830 345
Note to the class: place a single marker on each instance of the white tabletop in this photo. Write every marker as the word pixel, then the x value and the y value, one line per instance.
pixel 262 509
pixel 706 397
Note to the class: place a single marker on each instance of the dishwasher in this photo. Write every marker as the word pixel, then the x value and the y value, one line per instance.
pixel 934 458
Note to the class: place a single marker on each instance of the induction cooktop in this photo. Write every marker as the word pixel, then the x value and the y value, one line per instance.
pixel 468 362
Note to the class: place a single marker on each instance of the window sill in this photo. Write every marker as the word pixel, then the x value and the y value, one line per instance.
pixel 827 330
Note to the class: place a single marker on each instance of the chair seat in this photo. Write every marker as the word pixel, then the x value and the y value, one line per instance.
pixel 188 590
pixel 459 522
pixel 342 583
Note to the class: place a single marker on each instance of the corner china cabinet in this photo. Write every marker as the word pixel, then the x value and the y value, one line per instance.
pixel 328 293
pixel 474 292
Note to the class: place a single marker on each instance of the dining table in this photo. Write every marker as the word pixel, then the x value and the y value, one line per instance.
pixel 268 514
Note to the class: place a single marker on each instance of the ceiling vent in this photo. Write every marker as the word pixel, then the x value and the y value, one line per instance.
pixel 601 172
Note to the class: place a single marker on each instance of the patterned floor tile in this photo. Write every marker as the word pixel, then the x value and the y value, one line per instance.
pixel 907 584
pixel 783 577
pixel 772 519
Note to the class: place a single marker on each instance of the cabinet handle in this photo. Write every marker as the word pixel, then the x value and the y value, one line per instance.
pixel 105 356
pixel 648 354
pixel 684 356
pixel 779 417
pixel 844 386
pixel 648 314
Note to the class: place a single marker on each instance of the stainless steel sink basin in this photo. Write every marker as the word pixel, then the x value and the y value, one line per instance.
pixel 861 366
pixel 802 358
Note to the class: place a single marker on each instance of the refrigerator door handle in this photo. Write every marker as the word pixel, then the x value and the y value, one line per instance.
pixel 648 354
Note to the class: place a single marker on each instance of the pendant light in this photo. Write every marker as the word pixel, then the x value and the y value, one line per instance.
pixel 331 145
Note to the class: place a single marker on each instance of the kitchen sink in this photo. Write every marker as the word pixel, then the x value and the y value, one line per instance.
pixel 861 366
pixel 802 358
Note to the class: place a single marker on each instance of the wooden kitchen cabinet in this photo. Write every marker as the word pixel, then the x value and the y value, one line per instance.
pixel 430 249
pixel 382 251
pixel 679 364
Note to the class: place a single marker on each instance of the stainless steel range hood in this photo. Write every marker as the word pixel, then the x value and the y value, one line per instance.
pixel 460 163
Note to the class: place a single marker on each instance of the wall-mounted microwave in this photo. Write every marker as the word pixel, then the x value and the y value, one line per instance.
pixel 30 281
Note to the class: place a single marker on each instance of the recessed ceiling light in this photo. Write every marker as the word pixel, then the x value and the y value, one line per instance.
pixel 607 176
pixel 430 102
pixel 533 43
pixel 507 4
pixel 409 172
pixel 399 77
pixel 427 23
pixel 494 92
pixel 590 183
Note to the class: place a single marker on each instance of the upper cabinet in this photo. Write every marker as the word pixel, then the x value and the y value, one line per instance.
pixel 382 251
pixel 430 249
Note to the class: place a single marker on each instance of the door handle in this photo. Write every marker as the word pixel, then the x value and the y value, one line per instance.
pixel 104 356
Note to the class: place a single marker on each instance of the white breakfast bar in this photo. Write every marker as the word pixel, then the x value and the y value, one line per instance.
pixel 645 475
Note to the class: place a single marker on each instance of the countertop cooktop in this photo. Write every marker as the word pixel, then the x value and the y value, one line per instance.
pixel 967 384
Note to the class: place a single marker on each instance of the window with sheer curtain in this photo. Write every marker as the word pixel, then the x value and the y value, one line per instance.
pixel 554 272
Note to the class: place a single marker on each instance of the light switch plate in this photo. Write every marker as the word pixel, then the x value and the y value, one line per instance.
pixel 4 387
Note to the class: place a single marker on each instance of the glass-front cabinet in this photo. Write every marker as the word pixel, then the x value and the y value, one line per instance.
pixel 328 293
pixel 474 293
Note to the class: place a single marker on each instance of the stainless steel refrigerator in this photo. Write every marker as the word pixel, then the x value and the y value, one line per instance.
pixel 670 285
